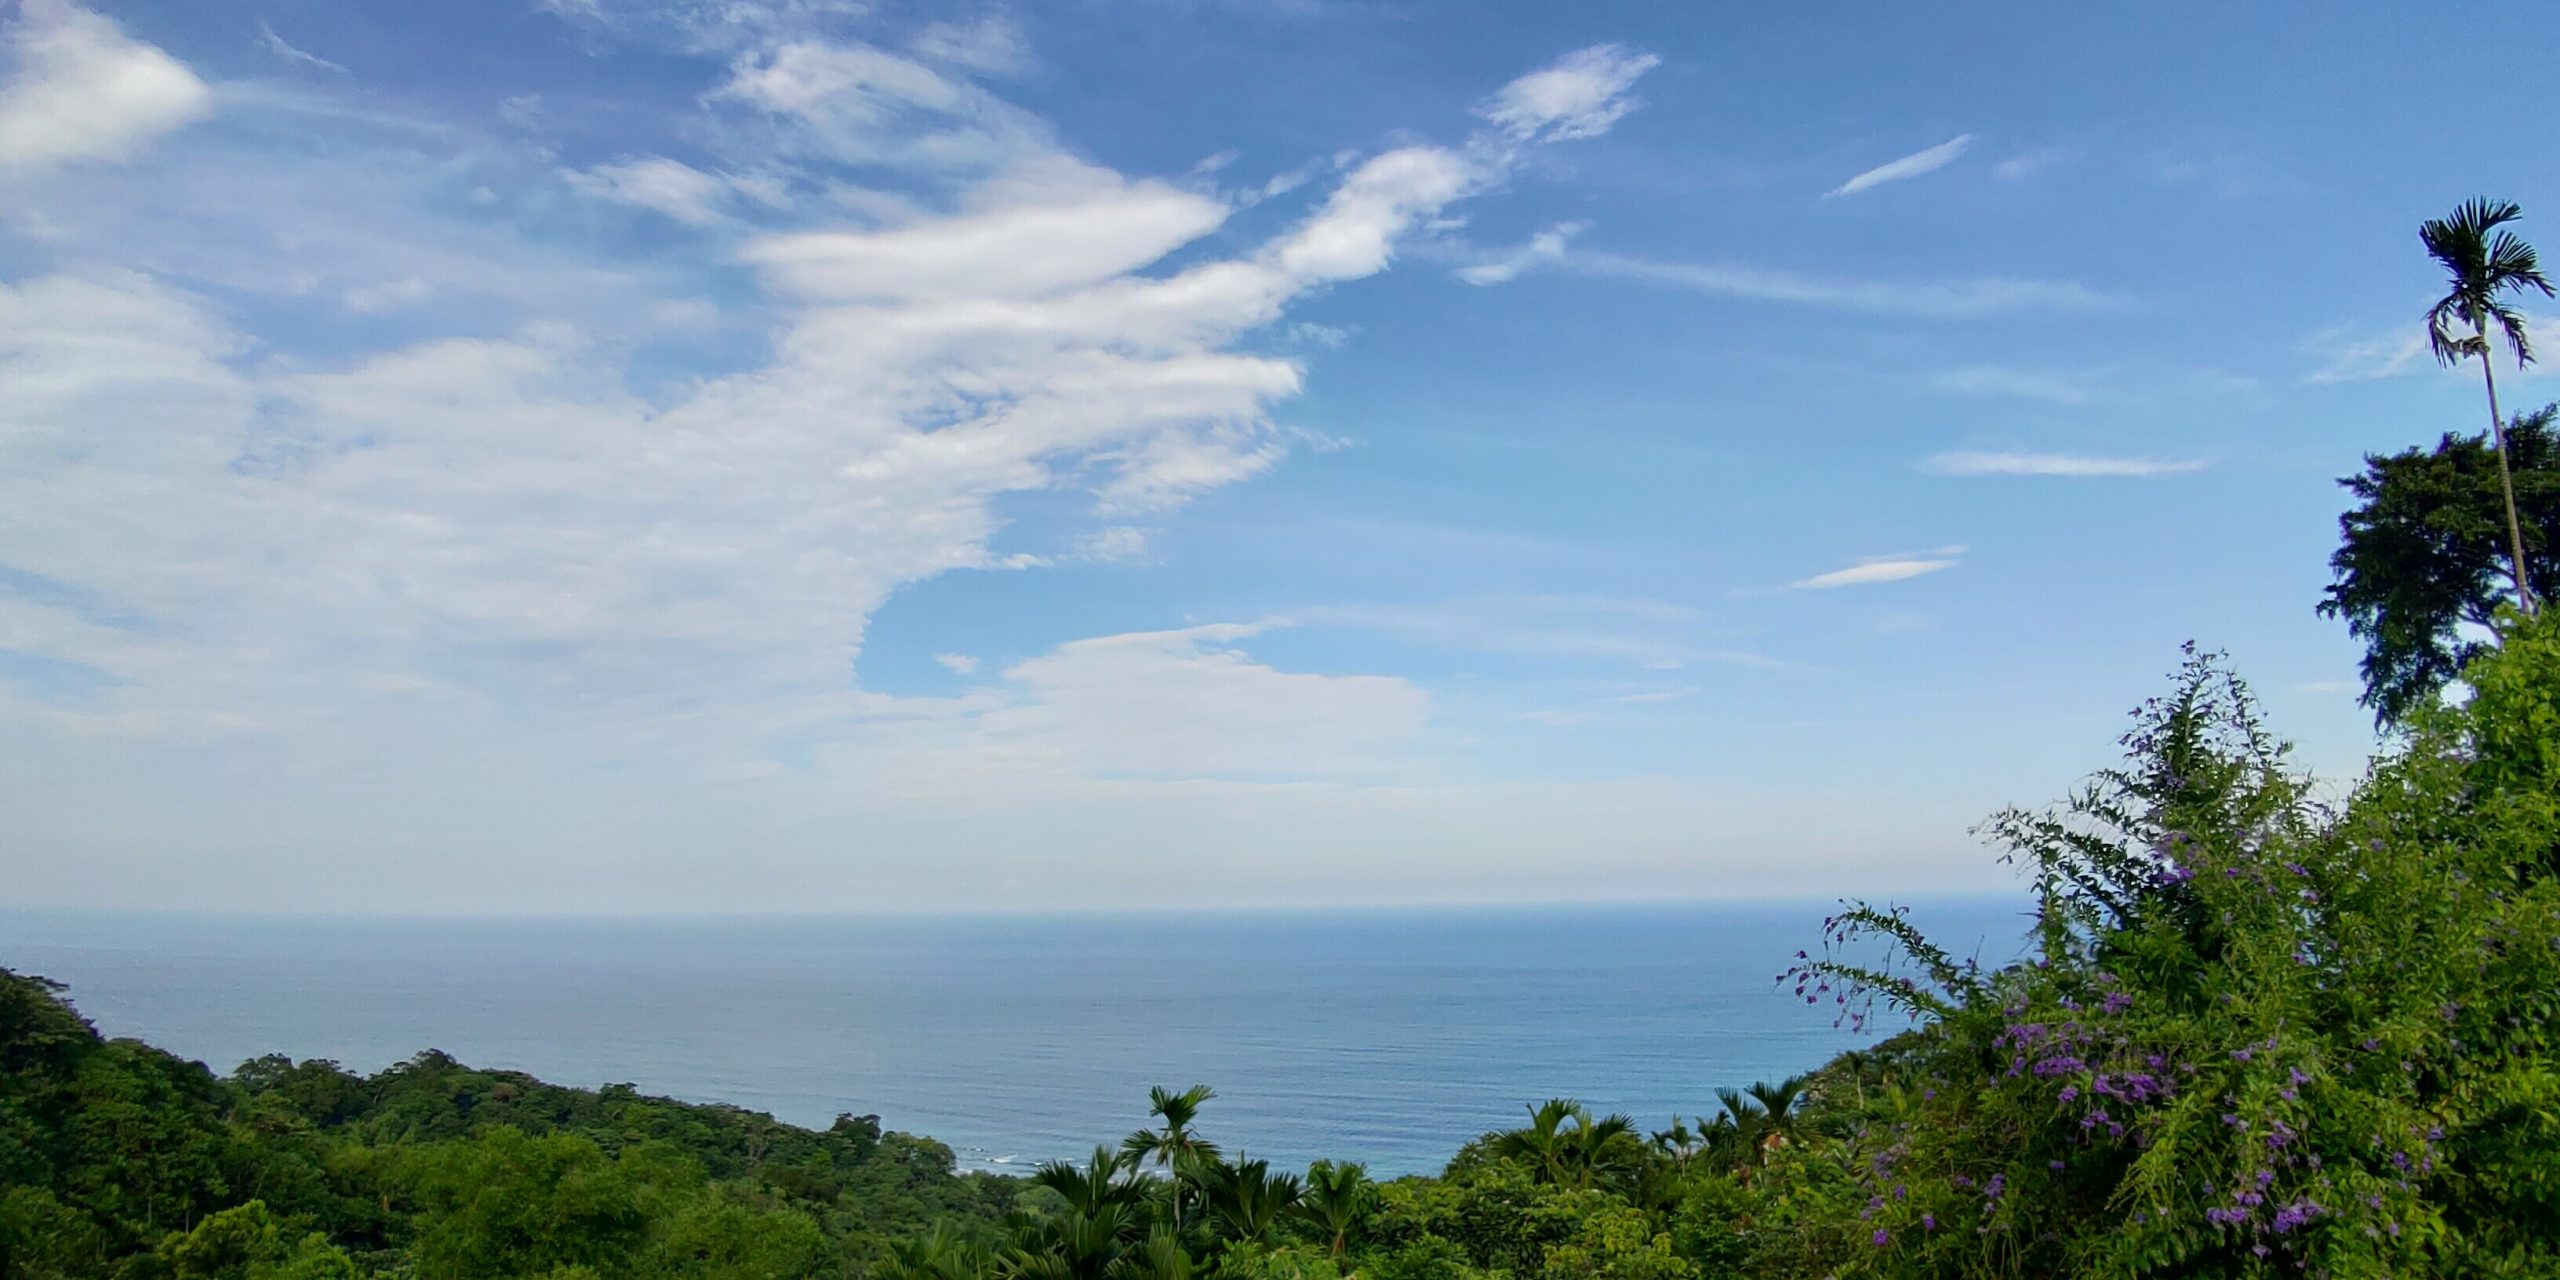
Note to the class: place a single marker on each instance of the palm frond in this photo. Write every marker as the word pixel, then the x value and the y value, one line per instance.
pixel 2511 323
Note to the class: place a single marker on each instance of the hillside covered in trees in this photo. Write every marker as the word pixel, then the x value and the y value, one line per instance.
pixel 2259 1033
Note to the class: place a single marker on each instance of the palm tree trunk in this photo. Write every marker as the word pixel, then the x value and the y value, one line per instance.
pixel 2506 478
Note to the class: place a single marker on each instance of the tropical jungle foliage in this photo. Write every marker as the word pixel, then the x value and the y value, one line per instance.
pixel 119 1160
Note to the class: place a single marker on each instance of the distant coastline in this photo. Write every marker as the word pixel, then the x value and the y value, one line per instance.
pixel 1396 1034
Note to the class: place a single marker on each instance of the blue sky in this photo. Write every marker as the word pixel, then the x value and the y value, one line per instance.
pixel 629 455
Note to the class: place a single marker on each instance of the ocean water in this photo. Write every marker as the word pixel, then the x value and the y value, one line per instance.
pixel 1389 1037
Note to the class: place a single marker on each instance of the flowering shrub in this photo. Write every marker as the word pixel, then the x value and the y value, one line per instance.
pixel 2257 1034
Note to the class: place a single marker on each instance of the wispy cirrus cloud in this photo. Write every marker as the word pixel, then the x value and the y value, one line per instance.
pixel 277 45
pixel 1894 567
pixel 659 184
pixel 2029 163
pixel 1918 163
pixel 1955 299
pixel 2070 465
pixel 2350 356
pixel 2051 386
pixel 1636 632
pixel 1650 697
pixel 1542 249
pixel 990 44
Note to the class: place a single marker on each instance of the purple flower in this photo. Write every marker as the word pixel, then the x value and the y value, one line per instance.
pixel 1929 1221
pixel 1882 1235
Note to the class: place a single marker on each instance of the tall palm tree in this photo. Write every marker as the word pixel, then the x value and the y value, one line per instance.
pixel 2482 261
pixel 1174 1147
pixel 1338 1199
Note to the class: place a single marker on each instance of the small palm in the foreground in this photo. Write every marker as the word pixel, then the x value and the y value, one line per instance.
pixel 941 1254
pixel 1338 1199
pixel 1248 1198
pixel 1565 1146
pixel 2484 261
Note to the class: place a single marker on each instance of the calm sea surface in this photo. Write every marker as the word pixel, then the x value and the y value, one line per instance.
pixel 1385 1037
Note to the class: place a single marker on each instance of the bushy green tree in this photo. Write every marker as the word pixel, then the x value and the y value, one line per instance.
pixel 2259 1035
pixel 2421 567
pixel 248 1242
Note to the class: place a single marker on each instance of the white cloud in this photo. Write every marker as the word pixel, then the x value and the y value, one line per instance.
pixel 390 295
pixel 276 45
pixel 1118 544
pixel 1653 696
pixel 1190 704
pixel 2351 357
pixel 1937 299
pixel 2029 163
pixel 1580 96
pixel 1643 633
pixel 1555 719
pixel 1057 225
pixel 2047 385
pixel 666 186
pixel 1977 463
pixel 78 88
pixel 958 664
pixel 989 44
pixel 1545 247
pixel 1886 568
pixel 1911 166
pixel 857 104
pixel 491 541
